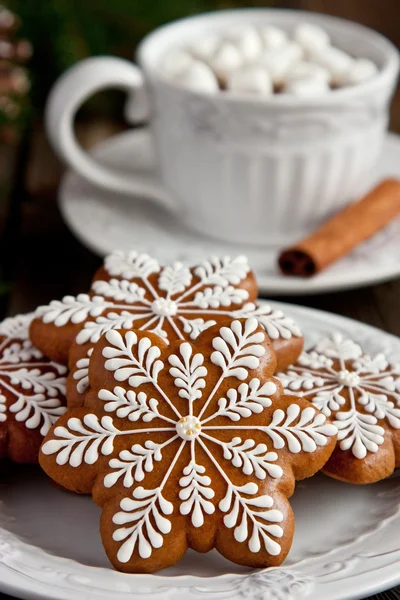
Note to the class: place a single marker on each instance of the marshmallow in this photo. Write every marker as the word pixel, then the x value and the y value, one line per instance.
pixel 361 70
pixel 311 37
pixel 273 37
pixel 205 48
pixel 336 61
pixel 280 60
pixel 175 63
pixel 198 77
pixel 307 70
pixel 247 41
pixel 306 88
pixel 226 60
pixel 251 79
pixel 249 59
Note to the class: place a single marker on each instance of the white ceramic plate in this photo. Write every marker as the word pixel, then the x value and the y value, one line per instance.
pixel 104 221
pixel 346 545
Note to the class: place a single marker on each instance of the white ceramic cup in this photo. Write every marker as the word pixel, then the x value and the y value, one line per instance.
pixel 242 169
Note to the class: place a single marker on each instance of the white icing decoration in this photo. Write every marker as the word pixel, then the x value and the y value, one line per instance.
pixel 130 265
pixel 196 493
pixel 142 516
pixel 37 411
pixel 238 349
pixel 18 352
pixel 359 432
pixel 138 511
pixel 158 330
pixel 163 307
pixel 370 382
pixel 93 330
pixel 125 365
pixel 348 378
pixel 81 375
pixel 23 367
pixel 16 327
pixel 73 449
pixel 219 296
pixel 247 399
pixel 337 346
pixel 216 271
pixel 133 464
pixel 175 279
pixel 257 512
pixel 124 291
pixel 188 372
pixel 3 409
pixel 195 326
pixel 310 431
pixel 252 458
pixel 95 435
pixel 128 404
pixel 146 504
pixel 38 381
pixel 72 310
pixel 188 428
pixel 275 322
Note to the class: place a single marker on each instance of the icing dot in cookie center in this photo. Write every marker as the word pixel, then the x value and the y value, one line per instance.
pixel 163 307
pixel 348 378
pixel 188 428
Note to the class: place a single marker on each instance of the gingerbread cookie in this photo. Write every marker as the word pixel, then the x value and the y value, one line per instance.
pixel 362 396
pixel 175 302
pixel 189 445
pixel 32 392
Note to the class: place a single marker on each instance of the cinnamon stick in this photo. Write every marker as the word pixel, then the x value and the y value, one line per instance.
pixel 340 234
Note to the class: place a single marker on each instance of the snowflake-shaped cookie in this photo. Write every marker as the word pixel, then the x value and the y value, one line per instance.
pixel 189 445
pixel 362 395
pixel 32 392
pixel 133 291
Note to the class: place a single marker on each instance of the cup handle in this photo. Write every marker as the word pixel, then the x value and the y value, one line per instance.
pixel 71 90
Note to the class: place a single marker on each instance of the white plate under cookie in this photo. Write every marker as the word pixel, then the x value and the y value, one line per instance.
pixel 346 545
pixel 105 221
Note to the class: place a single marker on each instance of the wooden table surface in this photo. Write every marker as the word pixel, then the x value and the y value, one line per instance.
pixel 42 260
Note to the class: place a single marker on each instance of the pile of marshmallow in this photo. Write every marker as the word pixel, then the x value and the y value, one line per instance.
pixel 265 60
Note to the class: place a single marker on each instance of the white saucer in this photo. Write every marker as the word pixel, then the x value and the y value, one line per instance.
pixel 346 544
pixel 104 221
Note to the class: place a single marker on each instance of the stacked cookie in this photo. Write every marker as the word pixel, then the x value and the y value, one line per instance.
pixel 32 392
pixel 176 423
pixel 361 394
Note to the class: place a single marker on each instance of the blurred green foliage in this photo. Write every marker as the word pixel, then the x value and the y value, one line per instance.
pixel 64 31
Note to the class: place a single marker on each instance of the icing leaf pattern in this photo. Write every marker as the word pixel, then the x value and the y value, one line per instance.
pixel 143 369
pixel 238 348
pixel 257 512
pixel 196 493
pixel 128 404
pixel 188 372
pixel 141 532
pixel 247 399
pixel 276 323
pixel 81 375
